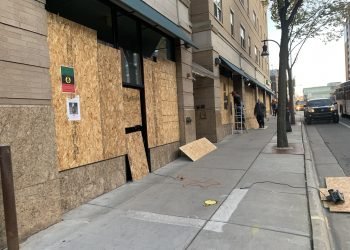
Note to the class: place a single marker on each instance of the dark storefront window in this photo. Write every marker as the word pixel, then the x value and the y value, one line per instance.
pixel 95 15
pixel 129 43
pixel 155 45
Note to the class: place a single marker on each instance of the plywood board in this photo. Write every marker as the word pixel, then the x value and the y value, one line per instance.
pixel 197 149
pixel 132 107
pixel 74 45
pixel 137 156
pixel 112 109
pixel 226 87
pixel 161 102
pixel 249 104
pixel 342 184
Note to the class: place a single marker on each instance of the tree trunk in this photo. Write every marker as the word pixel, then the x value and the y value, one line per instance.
pixel 291 95
pixel 282 140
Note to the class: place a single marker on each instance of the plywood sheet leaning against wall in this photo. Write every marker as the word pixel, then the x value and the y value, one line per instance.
pixel 226 87
pixel 112 110
pixel 132 107
pixel 70 44
pixel 197 149
pixel 137 156
pixel 161 102
pixel 249 103
pixel 342 184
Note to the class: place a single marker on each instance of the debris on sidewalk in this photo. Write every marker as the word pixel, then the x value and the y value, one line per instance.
pixel 197 149
pixel 338 193
pixel 208 203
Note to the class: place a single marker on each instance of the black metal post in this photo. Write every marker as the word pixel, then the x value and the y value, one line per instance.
pixel 8 193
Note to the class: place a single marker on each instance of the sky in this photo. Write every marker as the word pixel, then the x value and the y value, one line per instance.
pixel 318 63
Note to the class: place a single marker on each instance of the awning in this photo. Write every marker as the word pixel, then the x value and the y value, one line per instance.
pixel 150 15
pixel 233 67
pixel 201 71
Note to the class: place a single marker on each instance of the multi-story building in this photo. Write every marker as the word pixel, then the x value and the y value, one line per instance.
pixel 228 34
pixel 89 87
pixel 347 49
pixel 84 85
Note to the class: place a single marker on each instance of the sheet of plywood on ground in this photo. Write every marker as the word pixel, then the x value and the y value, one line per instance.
pixel 112 110
pixel 197 149
pixel 132 107
pixel 342 184
pixel 226 90
pixel 137 156
pixel 161 102
pixel 249 104
pixel 74 45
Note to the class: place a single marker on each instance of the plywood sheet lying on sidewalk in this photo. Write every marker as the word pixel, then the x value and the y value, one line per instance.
pixel 197 149
pixel 161 102
pixel 137 156
pixel 112 110
pixel 73 45
pixel 342 184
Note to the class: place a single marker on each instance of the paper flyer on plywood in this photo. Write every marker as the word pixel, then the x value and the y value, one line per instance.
pixel 73 109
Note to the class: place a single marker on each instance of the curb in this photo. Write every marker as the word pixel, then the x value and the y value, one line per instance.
pixel 321 238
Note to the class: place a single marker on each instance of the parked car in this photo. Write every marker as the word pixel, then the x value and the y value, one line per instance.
pixel 320 109
pixel 299 105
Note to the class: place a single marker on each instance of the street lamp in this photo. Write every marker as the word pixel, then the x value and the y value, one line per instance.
pixel 265 52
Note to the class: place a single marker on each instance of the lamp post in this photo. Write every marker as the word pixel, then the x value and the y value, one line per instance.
pixel 265 52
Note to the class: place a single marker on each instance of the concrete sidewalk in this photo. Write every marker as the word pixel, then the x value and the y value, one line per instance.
pixel 261 194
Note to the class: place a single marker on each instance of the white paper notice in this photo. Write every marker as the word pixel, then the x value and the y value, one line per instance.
pixel 73 109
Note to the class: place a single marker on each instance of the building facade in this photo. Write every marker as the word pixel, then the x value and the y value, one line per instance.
pixel 84 86
pixel 97 93
pixel 228 35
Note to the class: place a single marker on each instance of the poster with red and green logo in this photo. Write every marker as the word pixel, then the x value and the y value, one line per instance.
pixel 67 74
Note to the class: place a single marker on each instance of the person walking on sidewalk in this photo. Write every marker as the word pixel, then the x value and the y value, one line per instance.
pixel 274 107
pixel 259 112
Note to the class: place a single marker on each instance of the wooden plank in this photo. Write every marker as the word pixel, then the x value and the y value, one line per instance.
pixel 112 109
pixel 197 149
pixel 342 184
pixel 249 104
pixel 132 107
pixel 161 102
pixel 137 156
pixel 74 45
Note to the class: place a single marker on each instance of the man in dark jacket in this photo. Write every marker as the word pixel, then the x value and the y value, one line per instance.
pixel 259 112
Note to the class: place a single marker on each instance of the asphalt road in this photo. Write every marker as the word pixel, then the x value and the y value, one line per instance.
pixel 330 144
pixel 337 139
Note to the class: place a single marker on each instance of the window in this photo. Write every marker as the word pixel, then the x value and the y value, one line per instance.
pixel 249 46
pixel 254 18
pixel 94 14
pixel 155 45
pixel 256 54
pixel 232 21
pixel 218 9
pixel 242 33
pixel 128 41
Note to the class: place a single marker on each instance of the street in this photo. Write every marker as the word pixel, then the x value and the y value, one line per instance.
pixel 330 146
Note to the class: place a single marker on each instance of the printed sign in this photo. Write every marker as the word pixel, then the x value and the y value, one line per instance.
pixel 67 75
pixel 73 109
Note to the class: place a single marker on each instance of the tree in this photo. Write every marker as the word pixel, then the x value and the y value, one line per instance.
pixel 298 21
